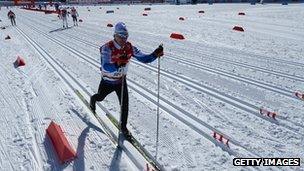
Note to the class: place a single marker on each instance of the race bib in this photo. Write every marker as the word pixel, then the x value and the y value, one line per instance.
pixel 121 71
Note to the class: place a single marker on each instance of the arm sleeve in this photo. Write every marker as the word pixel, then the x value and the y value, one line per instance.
pixel 145 58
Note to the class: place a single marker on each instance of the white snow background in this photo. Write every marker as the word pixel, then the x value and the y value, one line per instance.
pixel 216 79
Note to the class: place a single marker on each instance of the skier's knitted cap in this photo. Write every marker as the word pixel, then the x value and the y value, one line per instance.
pixel 121 30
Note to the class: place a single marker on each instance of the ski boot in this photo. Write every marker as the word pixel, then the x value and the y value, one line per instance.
pixel 93 107
pixel 127 134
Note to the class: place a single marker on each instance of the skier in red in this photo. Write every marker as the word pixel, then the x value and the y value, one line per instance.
pixel 115 57
pixel 11 15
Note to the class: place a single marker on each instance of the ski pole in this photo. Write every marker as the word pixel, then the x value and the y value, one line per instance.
pixel 121 105
pixel 158 87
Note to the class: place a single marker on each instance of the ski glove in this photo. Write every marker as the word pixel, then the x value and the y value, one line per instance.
pixel 159 51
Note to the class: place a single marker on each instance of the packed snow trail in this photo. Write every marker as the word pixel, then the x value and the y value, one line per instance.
pixel 238 103
pixel 175 107
pixel 72 83
pixel 262 138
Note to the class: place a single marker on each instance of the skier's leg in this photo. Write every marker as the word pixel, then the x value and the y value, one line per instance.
pixel 74 21
pixel 12 21
pixel 125 105
pixel 103 90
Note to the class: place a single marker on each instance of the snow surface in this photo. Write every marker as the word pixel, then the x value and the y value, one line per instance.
pixel 216 79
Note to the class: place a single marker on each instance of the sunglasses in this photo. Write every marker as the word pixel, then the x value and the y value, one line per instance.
pixel 123 36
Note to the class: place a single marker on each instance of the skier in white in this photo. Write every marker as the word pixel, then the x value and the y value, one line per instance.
pixel 64 14
pixel 74 15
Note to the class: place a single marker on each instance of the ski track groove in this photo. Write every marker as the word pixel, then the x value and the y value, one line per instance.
pixel 266 86
pixel 245 54
pixel 256 28
pixel 261 69
pixel 263 85
pixel 6 103
pixel 202 67
pixel 33 149
pixel 223 147
pixel 254 109
pixel 24 129
pixel 31 105
pixel 269 87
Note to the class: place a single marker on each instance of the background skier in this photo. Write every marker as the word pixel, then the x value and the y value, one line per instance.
pixel 64 14
pixel 11 15
pixel 74 15
pixel 115 57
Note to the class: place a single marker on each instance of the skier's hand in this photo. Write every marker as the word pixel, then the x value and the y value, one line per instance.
pixel 159 51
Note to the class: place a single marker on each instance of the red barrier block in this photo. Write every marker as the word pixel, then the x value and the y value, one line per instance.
pixel 62 147
pixel 220 138
pixel 109 25
pixel 238 28
pixel 80 20
pixel 110 11
pixel 241 13
pixel 201 11
pixel 299 95
pixel 177 36
pixel 181 18
pixel 144 14
pixel 268 113
pixel 19 62
pixel 7 37
pixel 48 12
pixel 147 9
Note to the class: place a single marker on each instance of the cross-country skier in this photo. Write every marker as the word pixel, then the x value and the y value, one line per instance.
pixel 74 15
pixel 11 15
pixel 56 6
pixel 64 14
pixel 115 57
